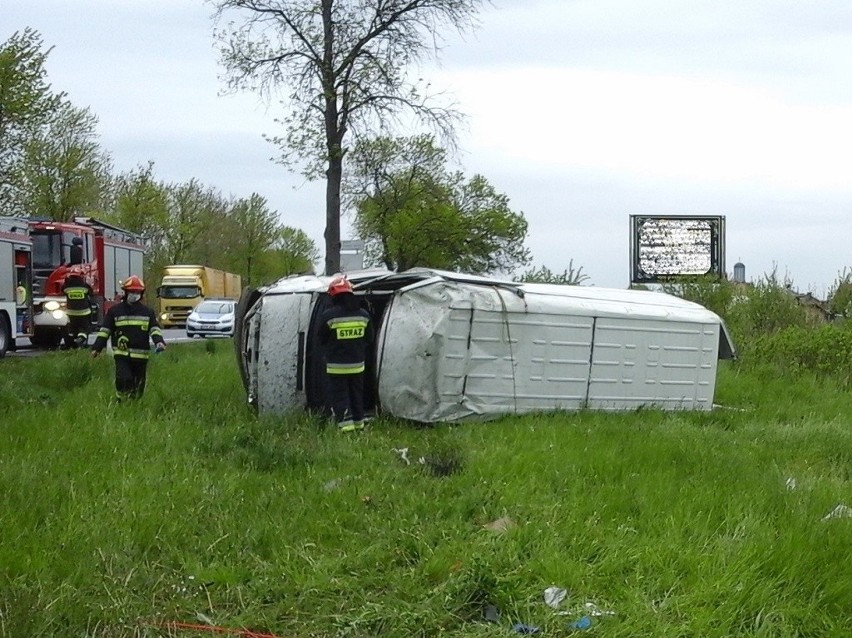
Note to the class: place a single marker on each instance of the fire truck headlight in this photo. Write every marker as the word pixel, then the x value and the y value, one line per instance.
pixel 58 314
pixel 52 305
pixel 164 317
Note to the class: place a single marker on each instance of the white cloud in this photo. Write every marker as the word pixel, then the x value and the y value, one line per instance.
pixel 653 126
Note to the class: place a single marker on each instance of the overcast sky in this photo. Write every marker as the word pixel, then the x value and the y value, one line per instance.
pixel 582 111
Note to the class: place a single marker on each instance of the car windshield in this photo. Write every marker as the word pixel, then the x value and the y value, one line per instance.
pixel 214 308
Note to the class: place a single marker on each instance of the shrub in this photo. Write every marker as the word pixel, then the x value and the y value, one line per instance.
pixel 826 350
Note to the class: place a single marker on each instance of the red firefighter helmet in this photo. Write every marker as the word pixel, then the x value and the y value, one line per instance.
pixel 133 284
pixel 339 285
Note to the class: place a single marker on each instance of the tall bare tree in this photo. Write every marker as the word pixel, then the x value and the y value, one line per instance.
pixel 345 65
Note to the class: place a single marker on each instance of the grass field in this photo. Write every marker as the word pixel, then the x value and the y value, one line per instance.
pixel 185 509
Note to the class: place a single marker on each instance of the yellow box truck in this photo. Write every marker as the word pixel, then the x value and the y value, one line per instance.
pixel 185 286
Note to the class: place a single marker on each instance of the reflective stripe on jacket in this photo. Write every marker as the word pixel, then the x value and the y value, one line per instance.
pixel 130 328
pixel 78 302
pixel 346 333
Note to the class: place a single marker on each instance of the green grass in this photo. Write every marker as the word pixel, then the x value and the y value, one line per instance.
pixel 119 519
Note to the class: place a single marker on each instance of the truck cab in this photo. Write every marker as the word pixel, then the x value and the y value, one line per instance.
pixel 106 255
pixel 178 296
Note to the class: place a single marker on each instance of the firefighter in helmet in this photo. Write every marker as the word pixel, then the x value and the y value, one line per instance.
pixel 130 325
pixel 76 252
pixel 345 331
pixel 78 307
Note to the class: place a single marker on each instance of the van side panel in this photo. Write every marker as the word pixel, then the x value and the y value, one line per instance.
pixel 282 318
pixel 663 364
pixel 552 357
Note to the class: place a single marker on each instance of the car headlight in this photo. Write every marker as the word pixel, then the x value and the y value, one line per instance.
pixel 51 305
pixel 57 314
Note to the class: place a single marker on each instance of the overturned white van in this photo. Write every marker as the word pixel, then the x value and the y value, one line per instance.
pixel 451 347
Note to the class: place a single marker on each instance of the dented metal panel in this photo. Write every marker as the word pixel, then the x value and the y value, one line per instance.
pixel 284 321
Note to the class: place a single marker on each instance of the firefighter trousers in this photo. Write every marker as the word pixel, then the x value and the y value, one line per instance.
pixel 130 377
pixel 78 330
pixel 346 396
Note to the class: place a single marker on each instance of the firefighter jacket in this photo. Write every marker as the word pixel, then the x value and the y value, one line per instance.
pixel 78 296
pixel 129 327
pixel 346 333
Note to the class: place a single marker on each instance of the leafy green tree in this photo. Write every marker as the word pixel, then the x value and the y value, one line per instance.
pixel 64 172
pixel 26 104
pixel 141 205
pixel 840 295
pixel 410 210
pixel 192 210
pixel 570 276
pixel 140 201
pixel 253 229
pixel 293 253
pixel 346 67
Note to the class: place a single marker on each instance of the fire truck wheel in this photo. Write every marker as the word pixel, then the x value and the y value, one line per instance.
pixel 5 336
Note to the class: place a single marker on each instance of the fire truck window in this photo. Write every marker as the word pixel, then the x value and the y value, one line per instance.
pixel 66 247
pixel 47 252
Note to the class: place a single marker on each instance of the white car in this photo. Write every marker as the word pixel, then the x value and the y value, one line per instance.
pixel 212 317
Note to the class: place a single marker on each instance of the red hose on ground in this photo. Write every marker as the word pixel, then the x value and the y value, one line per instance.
pixel 243 633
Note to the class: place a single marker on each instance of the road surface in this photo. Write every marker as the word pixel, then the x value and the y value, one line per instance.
pixel 24 349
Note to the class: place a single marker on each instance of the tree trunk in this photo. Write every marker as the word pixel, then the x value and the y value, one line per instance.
pixel 334 133
pixel 334 176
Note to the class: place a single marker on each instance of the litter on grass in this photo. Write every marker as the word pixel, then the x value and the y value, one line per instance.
pixel 501 525
pixel 403 454
pixel 581 623
pixel 841 511
pixel 593 610
pixel 521 628
pixel 491 613
pixel 554 596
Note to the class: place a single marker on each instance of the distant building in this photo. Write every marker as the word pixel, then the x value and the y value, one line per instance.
pixel 817 309
pixel 739 272
pixel 351 255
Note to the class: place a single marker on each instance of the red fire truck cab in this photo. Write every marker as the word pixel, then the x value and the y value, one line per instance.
pixel 109 255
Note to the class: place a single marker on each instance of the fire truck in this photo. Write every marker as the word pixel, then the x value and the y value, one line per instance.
pixel 105 256
pixel 16 276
